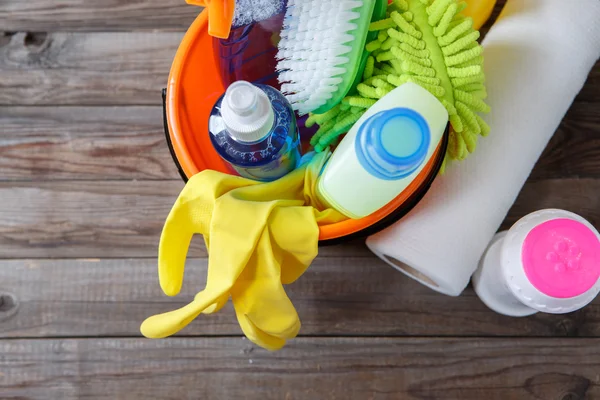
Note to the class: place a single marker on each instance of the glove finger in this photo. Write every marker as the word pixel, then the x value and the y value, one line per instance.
pixel 192 213
pixel 172 252
pixel 167 324
pixel 274 315
pixel 254 334
pixel 260 292
pixel 180 226
pixel 218 305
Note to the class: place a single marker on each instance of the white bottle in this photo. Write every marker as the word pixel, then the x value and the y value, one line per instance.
pixel 549 261
pixel 384 151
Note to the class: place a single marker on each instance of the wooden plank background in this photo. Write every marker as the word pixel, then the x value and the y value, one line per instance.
pixel 76 298
pixel 309 369
pixel 86 181
pixel 97 15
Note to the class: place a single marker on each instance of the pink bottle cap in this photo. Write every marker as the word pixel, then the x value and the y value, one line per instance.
pixel 561 258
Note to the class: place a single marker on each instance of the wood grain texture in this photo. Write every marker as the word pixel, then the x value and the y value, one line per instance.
pixel 109 68
pixel 98 15
pixel 309 369
pixel 574 150
pixel 104 219
pixel 80 178
pixel 98 219
pixel 124 143
pixel 91 143
pixel 581 196
pixel 121 219
pixel 337 296
pixel 591 91
pixel 85 68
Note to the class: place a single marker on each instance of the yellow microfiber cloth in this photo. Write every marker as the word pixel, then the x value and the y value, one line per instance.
pixel 259 236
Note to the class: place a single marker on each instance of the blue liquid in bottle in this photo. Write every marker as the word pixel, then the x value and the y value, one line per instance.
pixel 253 128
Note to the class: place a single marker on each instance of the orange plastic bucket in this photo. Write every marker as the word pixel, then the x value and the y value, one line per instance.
pixel 195 84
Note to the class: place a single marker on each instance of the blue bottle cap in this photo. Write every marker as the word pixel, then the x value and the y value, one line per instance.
pixel 392 144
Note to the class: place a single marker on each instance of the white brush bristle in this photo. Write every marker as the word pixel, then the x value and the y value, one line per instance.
pixel 314 41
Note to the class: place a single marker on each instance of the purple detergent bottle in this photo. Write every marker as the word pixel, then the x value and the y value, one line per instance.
pixel 253 128
pixel 249 53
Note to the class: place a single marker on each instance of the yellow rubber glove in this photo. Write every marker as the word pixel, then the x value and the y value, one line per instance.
pixel 259 236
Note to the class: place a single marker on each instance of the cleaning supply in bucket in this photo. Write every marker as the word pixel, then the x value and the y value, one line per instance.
pixel 549 261
pixel 248 53
pixel 259 237
pixel 527 52
pixel 384 151
pixel 253 127
pixel 226 14
pixel 251 11
pixel 245 34
pixel 220 15
pixel 479 10
pixel 429 43
pixel 321 51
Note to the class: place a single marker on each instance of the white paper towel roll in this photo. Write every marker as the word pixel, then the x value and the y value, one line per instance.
pixel 537 57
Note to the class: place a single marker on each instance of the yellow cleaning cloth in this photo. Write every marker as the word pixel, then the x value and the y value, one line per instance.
pixel 259 236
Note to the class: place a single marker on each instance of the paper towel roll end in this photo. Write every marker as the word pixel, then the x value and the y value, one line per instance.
pixel 426 276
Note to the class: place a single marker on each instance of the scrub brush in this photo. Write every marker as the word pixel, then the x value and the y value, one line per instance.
pixel 430 43
pixel 322 50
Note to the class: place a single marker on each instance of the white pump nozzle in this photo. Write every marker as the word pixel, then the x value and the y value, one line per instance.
pixel 247 112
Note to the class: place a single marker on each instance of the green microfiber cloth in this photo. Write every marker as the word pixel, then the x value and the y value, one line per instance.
pixel 430 43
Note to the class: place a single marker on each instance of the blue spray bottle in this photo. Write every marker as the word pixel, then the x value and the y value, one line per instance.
pixel 253 128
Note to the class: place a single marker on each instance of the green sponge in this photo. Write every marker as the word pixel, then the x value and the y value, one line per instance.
pixel 430 43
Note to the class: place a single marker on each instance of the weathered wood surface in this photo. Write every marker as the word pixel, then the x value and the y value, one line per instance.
pixel 117 219
pixel 84 143
pixel 107 68
pixel 309 369
pixel 574 150
pixel 338 296
pixel 124 143
pixel 97 15
pixel 85 68
pixel 86 181
pixel 104 219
